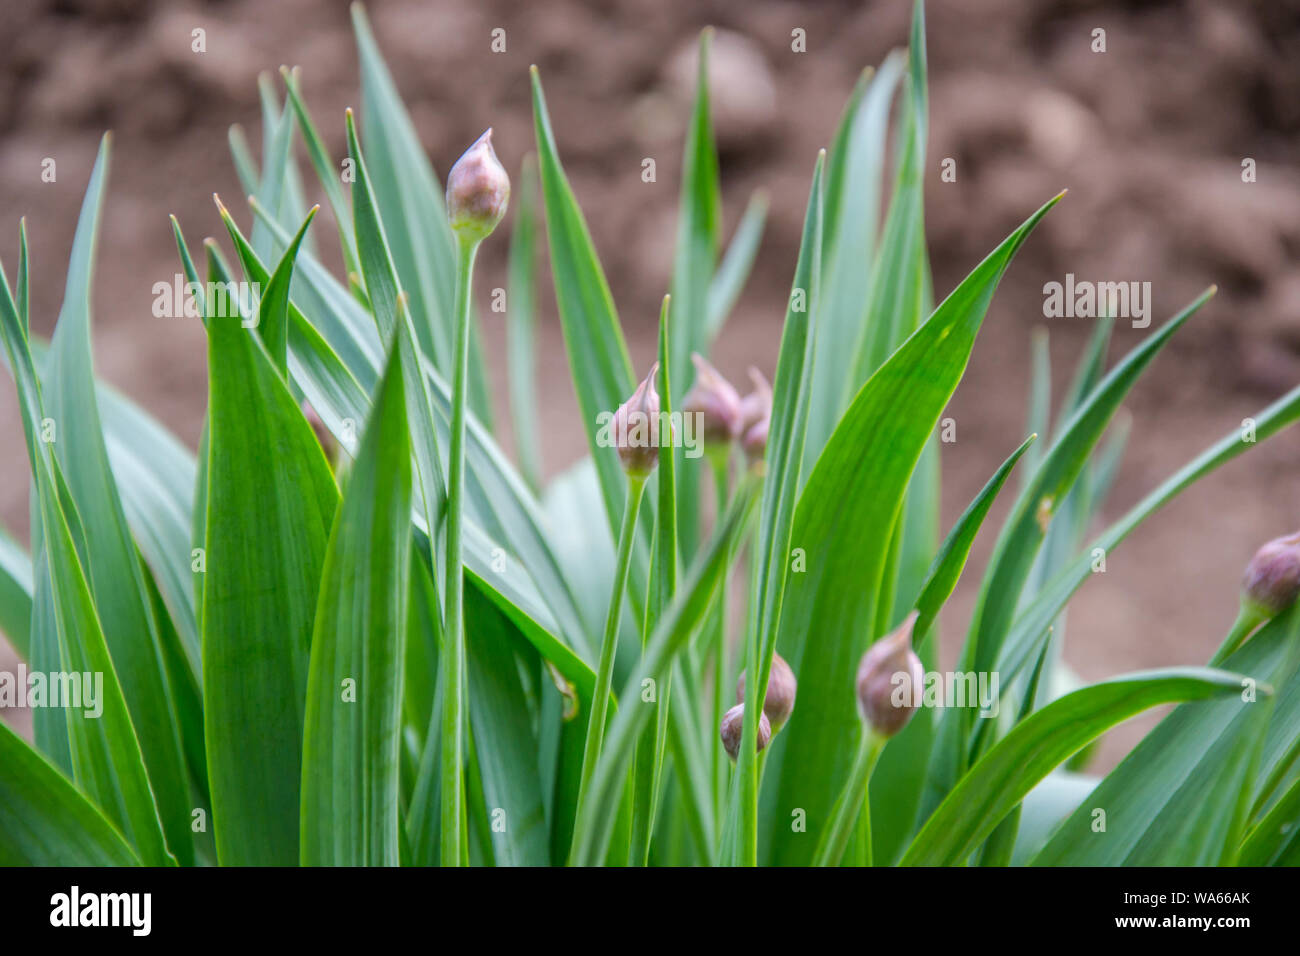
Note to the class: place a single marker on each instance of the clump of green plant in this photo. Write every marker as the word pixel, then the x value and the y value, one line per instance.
pixel 420 653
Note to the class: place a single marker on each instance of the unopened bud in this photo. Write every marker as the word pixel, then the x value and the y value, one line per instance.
pixel 714 399
pixel 478 191
pixel 756 416
pixel 1272 579
pixel 636 428
pixel 888 680
pixel 781 687
pixel 732 728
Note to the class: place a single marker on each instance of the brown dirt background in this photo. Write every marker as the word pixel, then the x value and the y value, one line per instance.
pixel 1149 138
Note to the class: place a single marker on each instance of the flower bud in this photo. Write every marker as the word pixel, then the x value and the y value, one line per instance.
pixel 733 724
pixel 756 416
pixel 778 704
pixel 889 681
pixel 478 191
pixel 714 399
pixel 636 428
pixel 1272 578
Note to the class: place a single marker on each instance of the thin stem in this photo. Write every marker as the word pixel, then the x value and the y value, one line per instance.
pixel 853 798
pixel 609 644
pixel 453 823
pixel 718 622
pixel 1247 620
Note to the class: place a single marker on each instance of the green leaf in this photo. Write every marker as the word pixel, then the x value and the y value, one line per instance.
pixel 899 273
pixel 15 593
pixel 846 511
pixel 503 738
pixel 783 460
pixel 533 590
pixel 387 300
pixel 736 264
pixel 270 505
pixel 951 559
pixel 97 739
pixel 855 168
pixel 521 316
pixel 699 227
pixel 602 371
pixel 351 737
pixel 44 820
pixel 1181 795
pixel 273 310
pixel 1027 526
pixel 326 172
pixel 659 595
pixel 1022 643
pixel 998 782
pixel 408 197
pixel 121 601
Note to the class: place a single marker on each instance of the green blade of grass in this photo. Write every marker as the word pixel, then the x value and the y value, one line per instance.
pixel 997 783
pixel 270 505
pixel 846 511
pixel 353 711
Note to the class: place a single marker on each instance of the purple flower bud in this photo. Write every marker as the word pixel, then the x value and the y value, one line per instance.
pixel 756 416
pixel 778 704
pixel 1272 579
pixel 478 191
pixel 733 723
pixel 889 681
pixel 636 428
pixel 715 400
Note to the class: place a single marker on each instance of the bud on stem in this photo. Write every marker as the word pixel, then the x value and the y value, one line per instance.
pixel 888 677
pixel 478 192
pixel 732 727
pixel 778 704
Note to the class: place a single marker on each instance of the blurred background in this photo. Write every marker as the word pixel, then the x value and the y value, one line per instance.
pixel 1149 137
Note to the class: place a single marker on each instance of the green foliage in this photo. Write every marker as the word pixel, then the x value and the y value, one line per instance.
pixel 276 628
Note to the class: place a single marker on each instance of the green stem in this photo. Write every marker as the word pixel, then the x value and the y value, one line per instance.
pixel 609 644
pixel 855 796
pixel 1247 620
pixel 453 823
pixel 718 638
